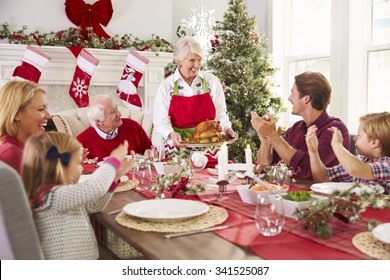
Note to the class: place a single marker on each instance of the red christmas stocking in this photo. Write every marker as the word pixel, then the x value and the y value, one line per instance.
pixel 86 65
pixel 33 63
pixel 127 89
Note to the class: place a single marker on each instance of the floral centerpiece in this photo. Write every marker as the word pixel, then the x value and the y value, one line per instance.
pixel 345 206
pixel 178 183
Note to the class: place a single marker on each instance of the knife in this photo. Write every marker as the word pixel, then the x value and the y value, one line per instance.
pixel 114 212
pixel 173 235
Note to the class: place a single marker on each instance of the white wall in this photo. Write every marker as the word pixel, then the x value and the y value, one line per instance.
pixel 140 18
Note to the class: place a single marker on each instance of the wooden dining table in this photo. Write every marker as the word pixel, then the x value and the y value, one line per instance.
pixel 155 246
pixel 242 242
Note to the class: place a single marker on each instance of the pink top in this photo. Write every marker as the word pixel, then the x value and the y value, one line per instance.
pixel 11 151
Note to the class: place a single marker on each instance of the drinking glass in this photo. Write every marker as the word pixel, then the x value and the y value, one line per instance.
pixel 154 154
pixel 269 216
pixel 198 161
pixel 280 176
pixel 143 173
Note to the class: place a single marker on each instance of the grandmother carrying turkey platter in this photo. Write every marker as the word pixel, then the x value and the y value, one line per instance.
pixel 186 99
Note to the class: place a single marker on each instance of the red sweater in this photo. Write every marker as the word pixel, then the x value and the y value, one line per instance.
pixel 130 130
pixel 11 152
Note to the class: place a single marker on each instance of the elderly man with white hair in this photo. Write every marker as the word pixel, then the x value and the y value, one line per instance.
pixel 108 130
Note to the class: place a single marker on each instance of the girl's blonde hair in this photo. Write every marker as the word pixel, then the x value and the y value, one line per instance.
pixel 38 172
pixel 377 126
pixel 15 95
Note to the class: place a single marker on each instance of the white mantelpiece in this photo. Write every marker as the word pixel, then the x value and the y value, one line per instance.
pixel 57 76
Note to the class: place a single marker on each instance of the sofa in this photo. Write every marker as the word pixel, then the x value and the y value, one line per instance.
pixel 75 121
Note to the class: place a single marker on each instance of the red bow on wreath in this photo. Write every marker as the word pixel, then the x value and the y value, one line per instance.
pixel 87 15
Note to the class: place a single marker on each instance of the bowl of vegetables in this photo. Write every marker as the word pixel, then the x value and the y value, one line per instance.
pixel 296 200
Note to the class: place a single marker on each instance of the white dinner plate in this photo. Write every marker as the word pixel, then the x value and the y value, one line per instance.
pixel 237 166
pixel 330 187
pixel 382 232
pixel 164 210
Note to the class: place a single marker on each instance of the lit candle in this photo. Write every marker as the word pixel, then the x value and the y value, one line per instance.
pixel 224 150
pixel 248 158
pixel 220 166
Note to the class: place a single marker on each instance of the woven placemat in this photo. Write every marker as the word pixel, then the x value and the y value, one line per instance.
pixel 127 185
pixel 368 244
pixel 214 216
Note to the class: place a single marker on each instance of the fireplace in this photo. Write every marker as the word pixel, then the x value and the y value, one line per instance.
pixel 57 76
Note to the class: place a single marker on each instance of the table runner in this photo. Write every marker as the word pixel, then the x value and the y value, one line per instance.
pixel 298 244
pixel 341 238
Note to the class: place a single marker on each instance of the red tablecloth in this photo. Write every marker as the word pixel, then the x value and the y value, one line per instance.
pixel 293 242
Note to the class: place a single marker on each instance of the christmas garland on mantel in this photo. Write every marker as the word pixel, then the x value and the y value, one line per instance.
pixel 74 37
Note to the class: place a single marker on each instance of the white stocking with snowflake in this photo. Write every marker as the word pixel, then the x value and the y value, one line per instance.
pixel 86 65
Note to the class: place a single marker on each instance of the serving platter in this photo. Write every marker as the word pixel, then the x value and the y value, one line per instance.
pixel 165 210
pixel 205 145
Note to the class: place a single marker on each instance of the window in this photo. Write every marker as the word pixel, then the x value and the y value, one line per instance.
pixel 347 41
pixel 305 34
pixel 378 88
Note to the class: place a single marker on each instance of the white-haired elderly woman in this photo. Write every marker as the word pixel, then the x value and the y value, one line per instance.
pixel 188 97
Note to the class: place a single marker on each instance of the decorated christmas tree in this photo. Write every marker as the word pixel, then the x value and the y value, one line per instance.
pixel 240 58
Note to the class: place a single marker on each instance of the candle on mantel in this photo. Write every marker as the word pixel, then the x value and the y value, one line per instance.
pixel 248 159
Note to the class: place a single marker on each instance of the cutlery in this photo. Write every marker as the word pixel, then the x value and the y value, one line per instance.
pixel 114 212
pixel 173 235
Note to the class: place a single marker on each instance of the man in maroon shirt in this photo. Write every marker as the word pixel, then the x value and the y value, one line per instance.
pixel 108 130
pixel 310 96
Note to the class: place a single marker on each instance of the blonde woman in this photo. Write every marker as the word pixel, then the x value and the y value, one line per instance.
pixel 24 112
pixel 51 170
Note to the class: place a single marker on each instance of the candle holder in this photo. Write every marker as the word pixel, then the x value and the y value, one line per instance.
pixel 222 187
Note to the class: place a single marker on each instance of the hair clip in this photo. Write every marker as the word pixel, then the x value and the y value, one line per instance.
pixel 53 153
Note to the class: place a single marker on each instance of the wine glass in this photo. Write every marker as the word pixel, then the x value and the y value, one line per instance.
pixel 198 161
pixel 269 216
pixel 143 172
pixel 280 176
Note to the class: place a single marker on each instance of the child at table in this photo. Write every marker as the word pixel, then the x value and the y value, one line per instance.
pixel 370 167
pixel 51 169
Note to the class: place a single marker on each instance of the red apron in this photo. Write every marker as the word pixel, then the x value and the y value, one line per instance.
pixel 186 112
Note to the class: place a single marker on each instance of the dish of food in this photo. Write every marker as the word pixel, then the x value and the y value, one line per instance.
pixel 251 196
pixel 165 210
pixel 290 206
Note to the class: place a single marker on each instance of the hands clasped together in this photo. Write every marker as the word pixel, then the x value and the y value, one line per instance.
pixel 265 127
